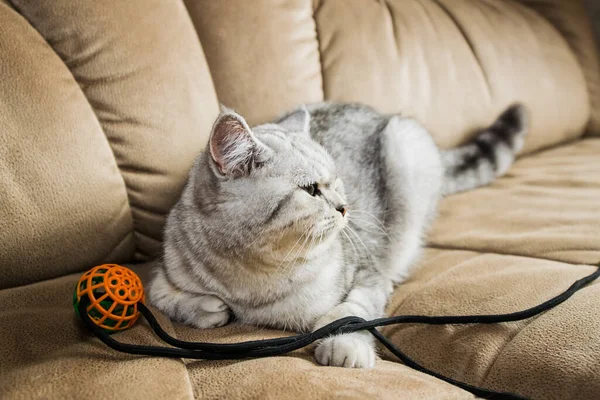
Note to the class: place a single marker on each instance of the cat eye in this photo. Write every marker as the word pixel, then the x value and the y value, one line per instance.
pixel 312 189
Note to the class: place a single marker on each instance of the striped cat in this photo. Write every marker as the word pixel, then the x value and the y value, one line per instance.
pixel 314 217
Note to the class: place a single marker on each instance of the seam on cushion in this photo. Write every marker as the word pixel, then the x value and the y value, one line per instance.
pixel 478 254
pixel 513 337
pixel 464 34
pixel 427 283
pixel 140 254
pixel 525 323
pixel 386 4
pixel 316 7
pixel 487 251
pixel 191 23
pixel 186 378
pixel 125 237
pixel 93 110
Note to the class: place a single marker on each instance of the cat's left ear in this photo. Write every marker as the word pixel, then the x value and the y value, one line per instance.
pixel 297 121
pixel 234 149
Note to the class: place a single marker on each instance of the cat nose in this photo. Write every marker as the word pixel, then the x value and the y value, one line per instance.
pixel 343 210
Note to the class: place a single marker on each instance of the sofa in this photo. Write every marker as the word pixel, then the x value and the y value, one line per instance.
pixel 105 104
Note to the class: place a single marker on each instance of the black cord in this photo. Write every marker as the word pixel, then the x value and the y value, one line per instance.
pixel 279 346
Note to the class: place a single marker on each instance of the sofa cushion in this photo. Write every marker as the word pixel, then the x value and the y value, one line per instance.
pixel 63 203
pixel 264 59
pixel 47 354
pixel 547 206
pixel 572 21
pixel 453 64
pixel 297 376
pixel 555 355
pixel 138 70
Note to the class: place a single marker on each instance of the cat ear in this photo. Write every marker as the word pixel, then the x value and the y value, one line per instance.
pixel 296 121
pixel 233 147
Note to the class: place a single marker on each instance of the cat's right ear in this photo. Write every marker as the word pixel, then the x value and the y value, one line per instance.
pixel 233 147
pixel 297 121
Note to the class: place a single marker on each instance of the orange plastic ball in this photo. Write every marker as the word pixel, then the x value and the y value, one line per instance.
pixel 114 292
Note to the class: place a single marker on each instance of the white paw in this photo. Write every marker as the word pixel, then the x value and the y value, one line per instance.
pixel 205 320
pixel 349 350
pixel 206 312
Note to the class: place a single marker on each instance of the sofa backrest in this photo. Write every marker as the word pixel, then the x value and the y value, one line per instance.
pixel 104 104
pixel 452 64
pixel 103 107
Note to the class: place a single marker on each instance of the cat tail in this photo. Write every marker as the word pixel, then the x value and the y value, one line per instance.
pixel 489 155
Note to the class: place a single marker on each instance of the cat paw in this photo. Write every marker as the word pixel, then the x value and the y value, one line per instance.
pixel 210 312
pixel 349 350
pixel 211 320
pixel 204 312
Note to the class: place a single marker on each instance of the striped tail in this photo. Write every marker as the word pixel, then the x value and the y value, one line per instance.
pixel 489 155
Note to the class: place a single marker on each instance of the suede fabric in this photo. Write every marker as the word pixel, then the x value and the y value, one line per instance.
pixel 552 356
pixel 104 105
pixel 297 375
pixel 407 57
pixel 63 203
pixel 423 53
pixel 148 86
pixel 264 58
pixel 47 354
pixel 547 206
pixel 570 19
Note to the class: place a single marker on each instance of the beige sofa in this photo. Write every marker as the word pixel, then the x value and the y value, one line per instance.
pixel 104 105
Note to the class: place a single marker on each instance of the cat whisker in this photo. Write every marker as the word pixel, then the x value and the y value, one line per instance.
pixel 374 262
pixel 356 254
pixel 361 222
pixel 287 267
pixel 310 246
pixel 369 215
pixel 258 237
pixel 362 242
pixel 283 261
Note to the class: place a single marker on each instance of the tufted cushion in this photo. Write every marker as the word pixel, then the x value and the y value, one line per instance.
pixel 102 117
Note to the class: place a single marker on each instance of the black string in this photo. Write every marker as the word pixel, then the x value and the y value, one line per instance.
pixel 279 346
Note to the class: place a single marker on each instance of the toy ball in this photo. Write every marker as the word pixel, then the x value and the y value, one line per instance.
pixel 114 292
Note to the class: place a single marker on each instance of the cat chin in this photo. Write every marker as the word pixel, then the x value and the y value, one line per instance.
pixel 326 236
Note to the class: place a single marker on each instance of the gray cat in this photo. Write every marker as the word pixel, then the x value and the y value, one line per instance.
pixel 315 217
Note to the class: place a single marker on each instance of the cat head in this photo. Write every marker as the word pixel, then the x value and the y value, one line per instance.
pixel 270 191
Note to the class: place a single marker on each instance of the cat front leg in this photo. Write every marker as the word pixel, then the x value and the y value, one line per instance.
pixel 194 309
pixel 367 299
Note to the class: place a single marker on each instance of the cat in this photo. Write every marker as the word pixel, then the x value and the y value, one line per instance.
pixel 314 217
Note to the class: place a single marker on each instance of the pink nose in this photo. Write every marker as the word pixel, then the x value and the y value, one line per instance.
pixel 343 210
